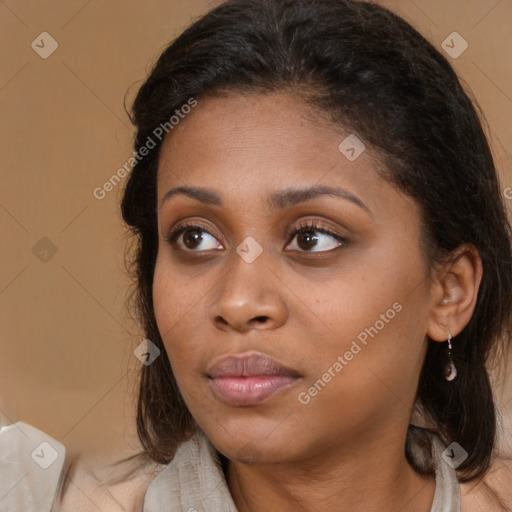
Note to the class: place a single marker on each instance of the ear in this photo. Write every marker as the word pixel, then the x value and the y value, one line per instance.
pixel 454 293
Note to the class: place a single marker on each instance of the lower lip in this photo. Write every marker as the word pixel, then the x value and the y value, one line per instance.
pixel 248 390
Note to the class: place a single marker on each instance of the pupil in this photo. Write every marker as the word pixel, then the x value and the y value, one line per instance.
pixel 194 236
pixel 310 239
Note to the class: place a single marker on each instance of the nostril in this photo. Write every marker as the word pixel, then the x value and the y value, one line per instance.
pixel 261 319
pixel 221 320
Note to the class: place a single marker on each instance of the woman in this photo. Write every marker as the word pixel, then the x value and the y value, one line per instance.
pixel 323 267
pixel 322 248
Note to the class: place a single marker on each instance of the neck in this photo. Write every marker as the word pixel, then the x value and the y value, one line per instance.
pixel 374 477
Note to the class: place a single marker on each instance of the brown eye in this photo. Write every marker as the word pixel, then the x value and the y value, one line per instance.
pixel 312 238
pixel 307 240
pixel 193 239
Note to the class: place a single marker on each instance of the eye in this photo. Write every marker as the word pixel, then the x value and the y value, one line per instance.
pixel 313 238
pixel 189 237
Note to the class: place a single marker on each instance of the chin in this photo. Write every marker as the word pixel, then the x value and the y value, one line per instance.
pixel 251 445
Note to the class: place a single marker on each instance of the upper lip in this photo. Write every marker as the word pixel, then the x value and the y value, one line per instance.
pixel 248 365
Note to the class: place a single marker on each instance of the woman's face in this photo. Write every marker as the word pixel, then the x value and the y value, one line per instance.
pixel 287 345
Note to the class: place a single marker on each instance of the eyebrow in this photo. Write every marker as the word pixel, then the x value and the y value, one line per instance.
pixel 278 200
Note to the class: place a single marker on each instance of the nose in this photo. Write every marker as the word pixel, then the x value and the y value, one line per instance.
pixel 248 297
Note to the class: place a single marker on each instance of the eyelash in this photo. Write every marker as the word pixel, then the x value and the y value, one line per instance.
pixel 290 233
pixel 311 225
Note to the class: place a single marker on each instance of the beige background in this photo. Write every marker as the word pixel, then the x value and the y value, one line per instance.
pixel 66 360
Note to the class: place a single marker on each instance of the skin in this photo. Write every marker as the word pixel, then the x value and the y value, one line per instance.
pixel 300 306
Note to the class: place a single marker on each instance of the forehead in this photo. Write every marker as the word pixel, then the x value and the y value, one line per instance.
pixel 249 122
pixel 248 147
pixel 255 138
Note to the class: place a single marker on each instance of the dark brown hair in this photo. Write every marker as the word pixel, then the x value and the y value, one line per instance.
pixel 379 78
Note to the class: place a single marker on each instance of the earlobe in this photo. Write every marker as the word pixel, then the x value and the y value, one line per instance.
pixel 454 293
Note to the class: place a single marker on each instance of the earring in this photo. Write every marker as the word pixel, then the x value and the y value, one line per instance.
pixel 450 372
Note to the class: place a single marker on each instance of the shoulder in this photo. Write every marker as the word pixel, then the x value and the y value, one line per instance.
pixel 137 484
pixel 31 465
pixel 38 475
pixel 109 488
pixel 493 493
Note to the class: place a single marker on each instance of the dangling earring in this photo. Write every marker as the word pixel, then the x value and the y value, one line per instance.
pixel 450 372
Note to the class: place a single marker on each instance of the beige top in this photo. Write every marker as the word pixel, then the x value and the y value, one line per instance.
pixel 194 482
pixel 31 467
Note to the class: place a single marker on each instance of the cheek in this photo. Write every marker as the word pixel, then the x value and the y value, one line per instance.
pixel 166 300
pixel 365 377
pixel 177 304
pixel 376 316
pixel 363 295
pixel 178 294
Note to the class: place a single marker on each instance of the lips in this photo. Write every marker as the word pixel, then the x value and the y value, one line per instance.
pixel 249 378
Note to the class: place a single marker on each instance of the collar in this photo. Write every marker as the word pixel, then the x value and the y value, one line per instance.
pixel 194 481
